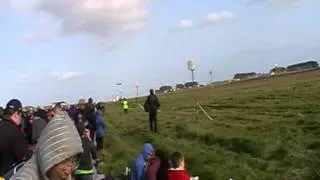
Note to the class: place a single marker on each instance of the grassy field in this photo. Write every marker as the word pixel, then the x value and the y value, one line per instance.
pixel 261 130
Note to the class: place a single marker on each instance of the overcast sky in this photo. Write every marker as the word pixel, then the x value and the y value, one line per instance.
pixel 71 49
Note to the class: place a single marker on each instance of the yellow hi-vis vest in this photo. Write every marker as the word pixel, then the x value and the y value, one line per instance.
pixel 125 105
pixel 84 172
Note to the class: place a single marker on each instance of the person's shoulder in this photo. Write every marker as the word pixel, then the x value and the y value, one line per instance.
pixel 29 170
pixel 6 125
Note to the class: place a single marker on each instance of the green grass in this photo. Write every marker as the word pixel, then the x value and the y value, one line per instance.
pixel 261 129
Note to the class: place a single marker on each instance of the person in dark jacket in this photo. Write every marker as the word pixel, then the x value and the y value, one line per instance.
pixel 101 129
pixel 13 145
pixel 39 123
pixel 85 169
pixel 152 105
pixel 73 112
pixel 89 114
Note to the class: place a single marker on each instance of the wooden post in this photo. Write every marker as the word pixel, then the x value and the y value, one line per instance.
pixel 204 111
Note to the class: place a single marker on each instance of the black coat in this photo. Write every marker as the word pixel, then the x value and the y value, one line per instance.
pixel 13 146
pixel 152 103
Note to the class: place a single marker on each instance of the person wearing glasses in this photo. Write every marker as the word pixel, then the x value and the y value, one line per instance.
pixel 13 145
pixel 57 154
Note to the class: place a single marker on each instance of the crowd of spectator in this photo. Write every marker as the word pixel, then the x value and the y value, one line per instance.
pixel 63 143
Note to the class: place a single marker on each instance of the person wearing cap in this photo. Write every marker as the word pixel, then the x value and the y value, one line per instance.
pixel 13 145
pixel 58 152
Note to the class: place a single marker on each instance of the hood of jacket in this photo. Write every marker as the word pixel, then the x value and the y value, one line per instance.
pixel 58 141
pixel 147 149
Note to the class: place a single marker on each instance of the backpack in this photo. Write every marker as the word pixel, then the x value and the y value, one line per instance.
pixel 145 106
pixel 13 171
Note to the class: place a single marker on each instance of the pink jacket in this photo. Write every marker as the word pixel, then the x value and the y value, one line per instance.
pixel 152 169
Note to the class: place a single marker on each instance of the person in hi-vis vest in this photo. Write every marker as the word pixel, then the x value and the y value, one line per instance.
pixel 125 105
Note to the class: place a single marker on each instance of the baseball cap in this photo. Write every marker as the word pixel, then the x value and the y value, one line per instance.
pixel 14 104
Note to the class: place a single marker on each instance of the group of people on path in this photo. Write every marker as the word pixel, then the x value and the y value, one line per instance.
pixel 63 144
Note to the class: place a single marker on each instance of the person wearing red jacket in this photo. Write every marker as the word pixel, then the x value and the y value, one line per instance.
pixel 177 172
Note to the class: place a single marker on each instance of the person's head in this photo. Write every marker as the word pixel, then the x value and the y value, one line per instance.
pixel 64 170
pixel 58 108
pixel 147 151
pixel 82 106
pixel 151 92
pixel 59 148
pixel 90 100
pixel 42 114
pixel 159 153
pixel 100 106
pixel 14 111
pixel 85 132
pixel 177 160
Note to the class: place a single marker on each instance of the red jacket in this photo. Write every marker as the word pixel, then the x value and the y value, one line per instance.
pixel 176 174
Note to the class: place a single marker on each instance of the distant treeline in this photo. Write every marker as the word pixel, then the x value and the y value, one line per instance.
pixel 276 70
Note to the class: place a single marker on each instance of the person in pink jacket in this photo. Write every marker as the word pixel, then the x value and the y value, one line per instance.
pixel 155 164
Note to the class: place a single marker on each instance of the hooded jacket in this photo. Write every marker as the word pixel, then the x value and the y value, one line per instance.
pixel 58 141
pixel 139 166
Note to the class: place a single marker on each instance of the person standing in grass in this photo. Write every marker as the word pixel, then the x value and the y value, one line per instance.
pixel 125 105
pixel 151 106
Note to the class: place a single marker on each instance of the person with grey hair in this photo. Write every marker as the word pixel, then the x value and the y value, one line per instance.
pixel 57 152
